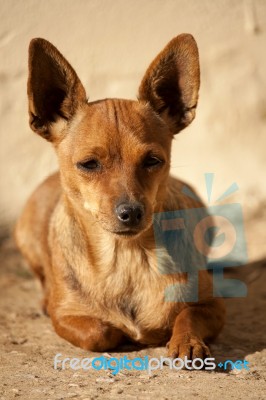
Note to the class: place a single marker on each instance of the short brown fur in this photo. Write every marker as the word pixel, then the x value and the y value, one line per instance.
pixel 96 261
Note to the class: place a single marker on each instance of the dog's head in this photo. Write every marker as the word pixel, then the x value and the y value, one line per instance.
pixel 114 155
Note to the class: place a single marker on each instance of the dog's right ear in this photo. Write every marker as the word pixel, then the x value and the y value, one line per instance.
pixel 54 89
pixel 171 83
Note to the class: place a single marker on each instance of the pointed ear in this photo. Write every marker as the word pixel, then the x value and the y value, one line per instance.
pixel 171 83
pixel 54 89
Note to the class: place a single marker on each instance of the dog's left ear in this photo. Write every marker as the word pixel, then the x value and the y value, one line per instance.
pixel 171 83
pixel 54 89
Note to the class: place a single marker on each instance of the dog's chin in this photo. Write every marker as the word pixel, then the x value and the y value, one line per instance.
pixel 128 233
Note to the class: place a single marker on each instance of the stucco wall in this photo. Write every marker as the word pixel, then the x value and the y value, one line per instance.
pixel 110 44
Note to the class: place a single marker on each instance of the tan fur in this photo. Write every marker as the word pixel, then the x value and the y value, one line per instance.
pixel 101 281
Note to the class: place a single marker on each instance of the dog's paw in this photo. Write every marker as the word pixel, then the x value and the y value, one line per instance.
pixel 187 345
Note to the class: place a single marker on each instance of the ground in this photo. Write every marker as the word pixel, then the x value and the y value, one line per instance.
pixel 29 344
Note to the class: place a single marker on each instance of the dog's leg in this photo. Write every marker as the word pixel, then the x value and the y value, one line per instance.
pixel 87 333
pixel 194 325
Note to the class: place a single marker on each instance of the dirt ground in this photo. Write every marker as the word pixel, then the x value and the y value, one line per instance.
pixel 29 344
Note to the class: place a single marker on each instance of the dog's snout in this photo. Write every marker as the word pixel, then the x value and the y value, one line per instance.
pixel 130 214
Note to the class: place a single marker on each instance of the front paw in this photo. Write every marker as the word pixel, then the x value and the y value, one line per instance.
pixel 187 345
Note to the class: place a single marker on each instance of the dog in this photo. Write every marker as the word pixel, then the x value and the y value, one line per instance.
pixel 87 231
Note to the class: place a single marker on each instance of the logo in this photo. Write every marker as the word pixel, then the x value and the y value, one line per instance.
pixel 144 363
pixel 191 240
pixel 230 365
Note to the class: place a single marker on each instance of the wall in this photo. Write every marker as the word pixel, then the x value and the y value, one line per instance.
pixel 110 44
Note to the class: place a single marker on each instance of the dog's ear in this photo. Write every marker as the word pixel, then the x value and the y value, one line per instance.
pixel 171 83
pixel 54 89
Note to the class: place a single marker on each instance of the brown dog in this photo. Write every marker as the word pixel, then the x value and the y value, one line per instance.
pixel 87 231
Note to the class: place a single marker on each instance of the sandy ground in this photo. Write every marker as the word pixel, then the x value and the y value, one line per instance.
pixel 29 344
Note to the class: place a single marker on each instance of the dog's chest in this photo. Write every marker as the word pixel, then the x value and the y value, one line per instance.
pixel 132 294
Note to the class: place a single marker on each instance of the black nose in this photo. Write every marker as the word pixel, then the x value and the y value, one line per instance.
pixel 130 214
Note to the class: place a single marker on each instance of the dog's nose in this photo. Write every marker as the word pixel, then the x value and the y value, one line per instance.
pixel 130 214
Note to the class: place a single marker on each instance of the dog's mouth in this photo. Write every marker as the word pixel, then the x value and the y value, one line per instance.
pixel 130 233
pixel 127 233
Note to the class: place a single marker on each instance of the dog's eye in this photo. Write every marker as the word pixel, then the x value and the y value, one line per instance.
pixel 151 161
pixel 89 165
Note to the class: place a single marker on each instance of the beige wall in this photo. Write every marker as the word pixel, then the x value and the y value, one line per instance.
pixel 110 43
